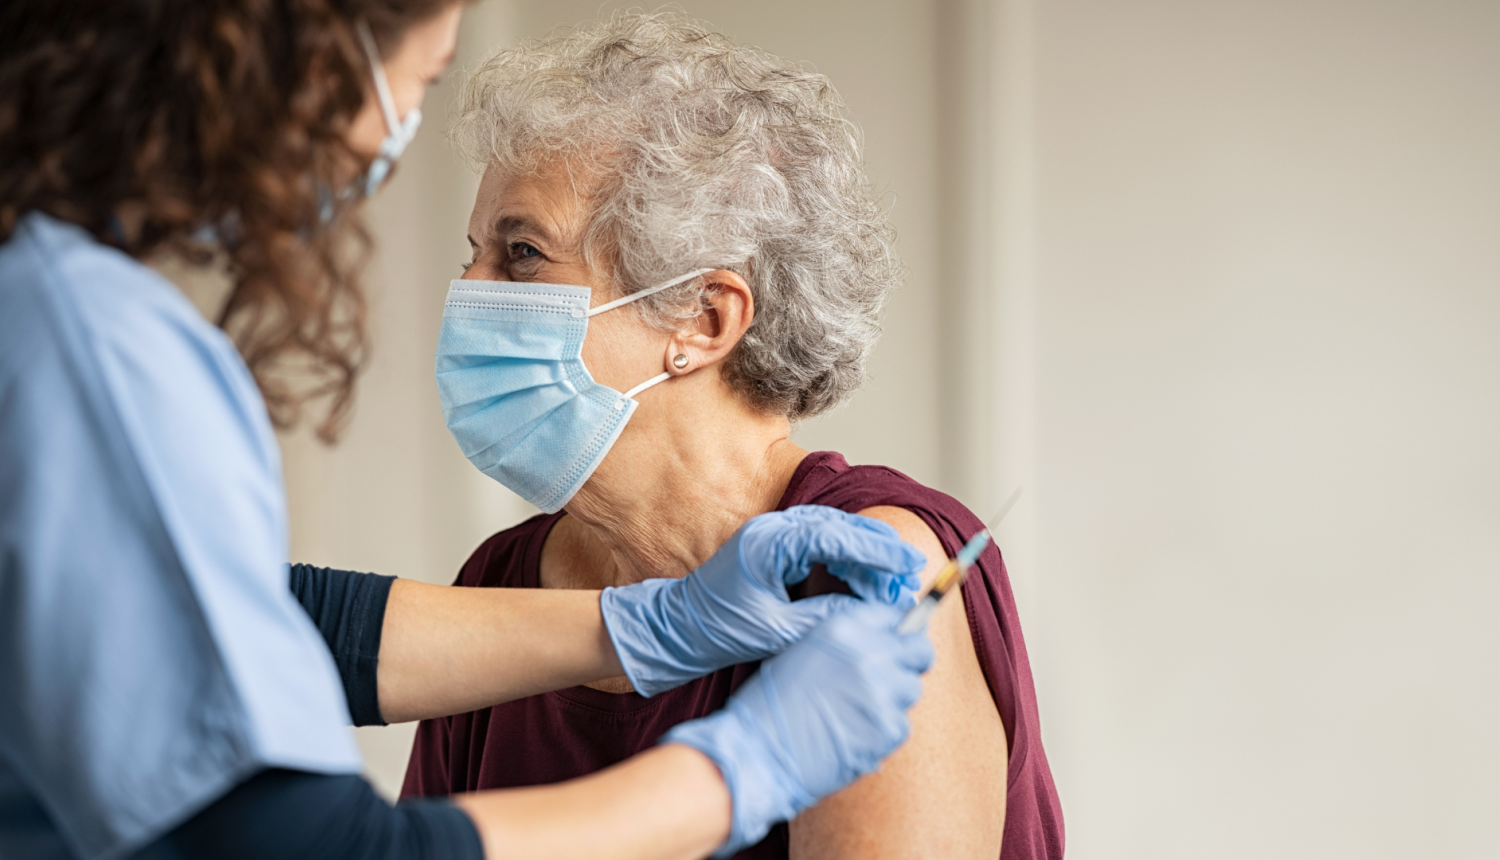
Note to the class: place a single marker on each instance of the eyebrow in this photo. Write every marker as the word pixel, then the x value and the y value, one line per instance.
pixel 508 224
pixel 513 223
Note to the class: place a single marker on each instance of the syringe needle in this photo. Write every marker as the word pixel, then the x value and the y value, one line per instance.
pixel 954 572
pixel 1004 509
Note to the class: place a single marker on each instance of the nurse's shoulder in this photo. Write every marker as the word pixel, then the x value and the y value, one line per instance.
pixel 65 294
pixel 143 541
pixel 136 357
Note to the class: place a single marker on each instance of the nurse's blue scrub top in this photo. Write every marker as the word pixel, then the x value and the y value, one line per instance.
pixel 151 655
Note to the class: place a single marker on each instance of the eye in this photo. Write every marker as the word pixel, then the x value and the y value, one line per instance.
pixel 523 251
pixel 465 266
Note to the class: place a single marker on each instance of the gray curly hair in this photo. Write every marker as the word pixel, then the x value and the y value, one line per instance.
pixel 712 155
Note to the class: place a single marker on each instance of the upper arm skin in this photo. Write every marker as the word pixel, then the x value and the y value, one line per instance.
pixel 942 794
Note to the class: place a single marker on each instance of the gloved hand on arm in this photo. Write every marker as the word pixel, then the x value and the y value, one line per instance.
pixel 735 609
pixel 813 719
pixel 408 650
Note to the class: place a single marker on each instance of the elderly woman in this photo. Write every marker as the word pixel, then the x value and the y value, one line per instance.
pixel 677 255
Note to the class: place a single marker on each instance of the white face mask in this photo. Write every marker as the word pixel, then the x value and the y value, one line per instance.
pixel 399 132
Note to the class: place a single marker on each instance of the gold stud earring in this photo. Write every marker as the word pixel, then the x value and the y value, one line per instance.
pixel 679 361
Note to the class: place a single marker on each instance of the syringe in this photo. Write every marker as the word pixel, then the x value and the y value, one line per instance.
pixel 953 573
pixel 948 579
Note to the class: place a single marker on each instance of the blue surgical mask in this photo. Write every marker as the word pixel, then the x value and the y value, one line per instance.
pixel 398 135
pixel 399 132
pixel 515 392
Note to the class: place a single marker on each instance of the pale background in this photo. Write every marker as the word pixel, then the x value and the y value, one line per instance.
pixel 1219 283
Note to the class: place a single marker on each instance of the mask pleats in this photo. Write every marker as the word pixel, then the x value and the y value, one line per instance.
pixel 515 392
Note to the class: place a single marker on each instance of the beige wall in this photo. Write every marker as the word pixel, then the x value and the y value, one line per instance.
pixel 1268 378
pixel 1220 284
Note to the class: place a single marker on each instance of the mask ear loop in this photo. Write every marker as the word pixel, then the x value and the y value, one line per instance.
pixel 398 133
pixel 620 302
pixel 626 397
pixel 377 71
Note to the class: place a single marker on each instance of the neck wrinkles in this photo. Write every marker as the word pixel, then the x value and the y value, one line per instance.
pixel 666 517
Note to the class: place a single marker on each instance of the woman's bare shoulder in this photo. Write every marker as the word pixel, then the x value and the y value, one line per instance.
pixel 942 795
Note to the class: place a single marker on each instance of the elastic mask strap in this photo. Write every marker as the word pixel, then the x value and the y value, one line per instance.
pixel 609 306
pixel 382 86
pixel 625 398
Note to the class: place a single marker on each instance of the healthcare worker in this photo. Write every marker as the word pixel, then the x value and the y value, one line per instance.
pixel 167 688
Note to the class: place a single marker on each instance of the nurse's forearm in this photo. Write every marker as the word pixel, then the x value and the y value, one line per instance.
pixel 448 650
pixel 668 803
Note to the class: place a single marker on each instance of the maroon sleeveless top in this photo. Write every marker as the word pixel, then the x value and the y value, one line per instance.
pixel 577 731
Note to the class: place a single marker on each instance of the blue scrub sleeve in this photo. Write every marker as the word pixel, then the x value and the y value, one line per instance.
pixel 349 610
pixel 294 815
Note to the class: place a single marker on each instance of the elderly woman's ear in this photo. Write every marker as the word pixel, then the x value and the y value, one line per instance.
pixel 712 335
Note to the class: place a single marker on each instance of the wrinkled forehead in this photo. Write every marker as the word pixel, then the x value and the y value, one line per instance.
pixel 550 196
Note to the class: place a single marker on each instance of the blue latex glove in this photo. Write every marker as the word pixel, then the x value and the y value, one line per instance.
pixel 813 719
pixel 735 609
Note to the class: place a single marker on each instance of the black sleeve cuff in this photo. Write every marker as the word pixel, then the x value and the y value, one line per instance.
pixel 349 610
pixel 439 829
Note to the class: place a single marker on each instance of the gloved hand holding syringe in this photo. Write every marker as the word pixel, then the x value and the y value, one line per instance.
pixel 954 572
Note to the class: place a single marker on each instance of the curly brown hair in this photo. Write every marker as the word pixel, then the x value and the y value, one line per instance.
pixel 229 113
